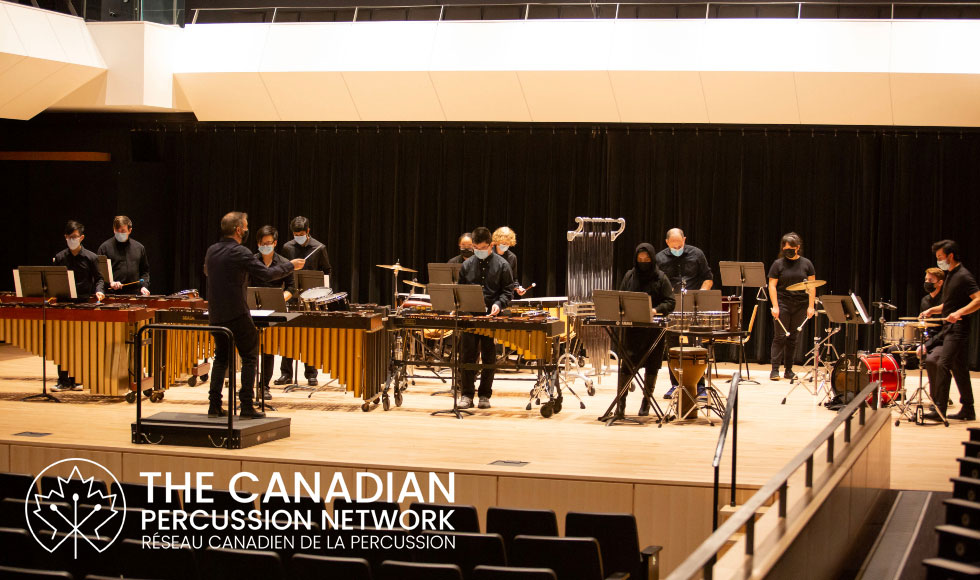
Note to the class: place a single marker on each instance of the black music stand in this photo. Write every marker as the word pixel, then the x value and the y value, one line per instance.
pixel 304 279
pixel 45 282
pixel 442 273
pixel 456 298
pixel 742 275
pixel 259 298
pixel 626 308
pixel 849 310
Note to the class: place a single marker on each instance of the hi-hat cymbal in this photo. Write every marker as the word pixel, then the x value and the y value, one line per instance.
pixel 806 285
pixel 396 267
pixel 414 283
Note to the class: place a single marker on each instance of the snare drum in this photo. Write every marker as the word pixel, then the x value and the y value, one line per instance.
pixel 310 298
pixel 893 333
pixel 870 368
pixel 712 320
pixel 336 302
pixel 680 320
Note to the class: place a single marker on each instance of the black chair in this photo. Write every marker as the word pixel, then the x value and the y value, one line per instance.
pixel 20 550
pixel 95 577
pixel 130 559
pixel 470 551
pixel 15 485
pixel 380 545
pixel 513 522
pixel 502 573
pixel 570 558
pixel 310 567
pixel 12 512
pixel 619 543
pixel 393 570
pixel 464 518
pixel 137 496
pixel 89 493
pixel 223 564
pixel 220 500
pixel 12 573
pixel 314 506
pixel 379 511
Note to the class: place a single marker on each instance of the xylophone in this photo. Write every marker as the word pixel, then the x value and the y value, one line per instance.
pixel 91 342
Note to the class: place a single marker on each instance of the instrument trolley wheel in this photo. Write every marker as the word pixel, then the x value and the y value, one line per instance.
pixel 590 389
pixel 203 379
pixel 365 406
pixel 386 403
pixel 131 397
pixel 557 405
pixel 156 396
pixel 192 381
pixel 581 361
pixel 398 399
pixel 547 410
pixel 898 422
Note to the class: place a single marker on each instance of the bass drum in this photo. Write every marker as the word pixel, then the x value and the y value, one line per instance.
pixel 850 378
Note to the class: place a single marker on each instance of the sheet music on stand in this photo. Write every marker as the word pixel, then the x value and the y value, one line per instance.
pixel 697 301
pixel 105 268
pixel 446 297
pixel 265 299
pixel 45 282
pixel 622 306
pixel 442 273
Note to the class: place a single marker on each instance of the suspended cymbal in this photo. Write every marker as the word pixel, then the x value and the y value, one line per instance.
pixel 414 283
pixel 396 267
pixel 806 285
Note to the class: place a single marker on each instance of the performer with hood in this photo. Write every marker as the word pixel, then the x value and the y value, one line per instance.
pixel 645 277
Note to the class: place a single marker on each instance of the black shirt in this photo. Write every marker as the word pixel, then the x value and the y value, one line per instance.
pixel 457 259
pixel 288 283
pixel 657 285
pixel 928 301
pixel 789 272
pixel 494 275
pixel 228 266
pixel 129 264
pixel 958 285
pixel 88 281
pixel 318 261
pixel 691 266
pixel 511 258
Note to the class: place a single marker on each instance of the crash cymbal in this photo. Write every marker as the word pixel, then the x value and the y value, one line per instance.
pixel 806 285
pixel 414 283
pixel 396 267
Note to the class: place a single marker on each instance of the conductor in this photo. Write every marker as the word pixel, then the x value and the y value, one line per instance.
pixel 227 264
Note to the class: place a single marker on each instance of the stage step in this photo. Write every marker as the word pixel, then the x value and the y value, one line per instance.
pixel 197 430
pixel 943 569
pixel 974 433
pixel 959 544
pixel 969 467
pixel 960 512
pixel 972 449
pixel 966 488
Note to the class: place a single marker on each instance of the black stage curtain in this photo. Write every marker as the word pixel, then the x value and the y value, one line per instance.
pixel 868 202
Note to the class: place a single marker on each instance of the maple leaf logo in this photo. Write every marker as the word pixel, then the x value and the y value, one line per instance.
pixel 75 511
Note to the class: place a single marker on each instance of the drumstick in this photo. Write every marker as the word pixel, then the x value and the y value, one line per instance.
pixel 783 325
pixel 313 252
pixel 800 327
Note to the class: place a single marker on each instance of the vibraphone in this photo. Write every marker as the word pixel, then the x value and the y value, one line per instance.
pixel 349 346
pixel 536 339
pixel 91 342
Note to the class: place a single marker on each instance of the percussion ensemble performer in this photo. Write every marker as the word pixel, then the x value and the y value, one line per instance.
pixel 301 246
pixel 686 267
pixel 945 353
pixel 789 307
pixel 88 281
pixel 645 276
pixel 130 267
pixel 491 271
pixel 268 238
pixel 227 265
pixel 465 243
pixel 932 284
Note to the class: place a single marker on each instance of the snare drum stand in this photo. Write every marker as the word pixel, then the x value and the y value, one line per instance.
pixel 822 369
pixel 914 405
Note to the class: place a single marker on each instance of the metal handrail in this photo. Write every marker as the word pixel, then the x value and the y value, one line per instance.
pixel 703 559
pixel 731 410
pixel 527 6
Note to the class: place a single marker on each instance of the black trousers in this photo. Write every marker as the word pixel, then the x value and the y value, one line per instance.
pixel 265 370
pixel 784 347
pixel 948 361
pixel 635 343
pixel 286 368
pixel 473 346
pixel 247 344
pixel 63 378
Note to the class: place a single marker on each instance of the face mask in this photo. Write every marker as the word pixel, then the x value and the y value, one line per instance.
pixel 929 287
pixel 301 240
pixel 482 254
pixel 503 247
pixel 943 265
pixel 466 253
pixel 789 253
pixel 644 267
pixel 677 253
pixel 244 236
pixel 266 250
pixel 73 243
pixel 121 238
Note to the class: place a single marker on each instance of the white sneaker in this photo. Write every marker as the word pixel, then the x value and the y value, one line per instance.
pixel 484 403
pixel 465 403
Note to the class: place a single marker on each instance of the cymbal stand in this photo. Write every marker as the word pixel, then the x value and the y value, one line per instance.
pixel 913 408
pixel 821 358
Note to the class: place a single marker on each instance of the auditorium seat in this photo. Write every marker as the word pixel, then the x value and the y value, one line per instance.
pixel 20 550
pixel 619 542
pixel 374 507
pixel 11 573
pixel 129 558
pixel 310 567
pixel 12 512
pixel 512 522
pixel 471 551
pixel 96 577
pixel 15 485
pixel 223 564
pixel 393 570
pixel 570 558
pixel 313 505
pixel 464 518
pixel 220 500
pixel 350 544
pixel 506 573
pixel 137 496
pixel 89 493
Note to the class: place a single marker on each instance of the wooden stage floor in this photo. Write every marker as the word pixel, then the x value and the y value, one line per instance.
pixel 569 456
